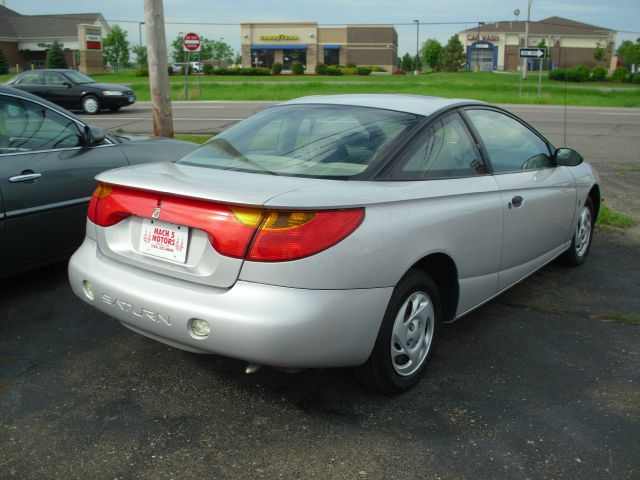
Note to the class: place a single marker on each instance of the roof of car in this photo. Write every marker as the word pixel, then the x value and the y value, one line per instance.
pixel 417 104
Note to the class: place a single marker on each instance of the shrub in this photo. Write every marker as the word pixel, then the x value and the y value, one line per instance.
pixel 321 69
pixel 620 74
pixel 297 68
pixel 183 68
pixel 241 71
pixel 170 70
pixel 142 72
pixel 276 68
pixel 399 72
pixel 351 65
pixel 579 73
pixel 207 69
pixel 364 71
pixel 598 74
pixel 334 70
pixel 349 70
pixel 557 74
pixel 4 65
pixel 635 78
pixel 377 68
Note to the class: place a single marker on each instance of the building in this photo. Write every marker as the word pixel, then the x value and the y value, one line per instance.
pixel 24 39
pixel 495 46
pixel 264 44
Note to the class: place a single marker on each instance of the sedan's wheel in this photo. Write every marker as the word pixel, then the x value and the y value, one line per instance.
pixel 582 237
pixel 90 105
pixel 407 336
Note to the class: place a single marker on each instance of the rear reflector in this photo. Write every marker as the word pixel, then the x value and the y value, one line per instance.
pixel 239 232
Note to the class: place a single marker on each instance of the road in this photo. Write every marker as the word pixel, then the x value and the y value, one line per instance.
pixel 608 137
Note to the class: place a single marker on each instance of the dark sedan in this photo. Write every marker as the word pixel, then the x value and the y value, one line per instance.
pixel 74 90
pixel 48 161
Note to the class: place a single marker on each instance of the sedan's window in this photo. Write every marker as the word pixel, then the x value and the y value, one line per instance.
pixel 53 78
pixel 335 141
pixel 31 78
pixel 444 150
pixel 511 145
pixel 27 126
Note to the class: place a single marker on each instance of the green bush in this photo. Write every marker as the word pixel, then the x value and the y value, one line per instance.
pixel 241 71
pixel 142 72
pixel 579 73
pixel 207 69
pixel 183 68
pixel 635 78
pixel 170 70
pixel 620 74
pixel 351 65
pixel 598 74
pixel 297 68
pixel 4 65
pixel 321 69
pixel 334 70
pixel 276 68
pixel 376 68
pixel 364 71
pixel 349 70
pixel 558 74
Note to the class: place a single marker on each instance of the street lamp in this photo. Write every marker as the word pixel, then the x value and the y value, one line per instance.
pixel 417 69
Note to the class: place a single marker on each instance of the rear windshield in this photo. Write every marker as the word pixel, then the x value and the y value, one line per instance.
pixel 333 141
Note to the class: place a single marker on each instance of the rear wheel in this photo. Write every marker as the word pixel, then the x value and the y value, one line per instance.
pixel 407 336
pixel 91 104
pixel 582 237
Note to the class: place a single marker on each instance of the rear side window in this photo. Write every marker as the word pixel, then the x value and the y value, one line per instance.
pixel 511 145
pixel 31 78
pixel 444 150
pixel 328 141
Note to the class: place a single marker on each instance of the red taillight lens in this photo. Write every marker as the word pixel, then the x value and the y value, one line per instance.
pixel 277 235
pixel 293 235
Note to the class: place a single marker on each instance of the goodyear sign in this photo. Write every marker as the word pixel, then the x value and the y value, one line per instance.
pixel 279 37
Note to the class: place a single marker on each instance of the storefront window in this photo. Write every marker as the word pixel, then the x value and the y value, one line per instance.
pixel 290 57
pixel 262 58
pixel 331 56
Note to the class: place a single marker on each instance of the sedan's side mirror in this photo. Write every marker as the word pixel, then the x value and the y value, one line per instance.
pixel 92 136
pixel 67 84
pixel 567 157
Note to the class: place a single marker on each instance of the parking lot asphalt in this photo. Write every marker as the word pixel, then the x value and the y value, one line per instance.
pixel 542 382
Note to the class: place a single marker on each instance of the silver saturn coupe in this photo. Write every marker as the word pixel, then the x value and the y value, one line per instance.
pixel 334 231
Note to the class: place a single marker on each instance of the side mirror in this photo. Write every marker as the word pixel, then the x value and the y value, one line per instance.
pixel 92 136
pixel 68 85
pixel 567 157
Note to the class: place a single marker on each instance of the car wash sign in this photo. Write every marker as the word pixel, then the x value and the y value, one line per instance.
pixel 93 38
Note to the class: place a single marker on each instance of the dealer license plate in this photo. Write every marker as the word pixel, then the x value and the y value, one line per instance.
pixel 164 240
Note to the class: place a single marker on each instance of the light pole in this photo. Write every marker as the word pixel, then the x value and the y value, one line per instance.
pixel 417 69
pixel 526 40
pixel 140 42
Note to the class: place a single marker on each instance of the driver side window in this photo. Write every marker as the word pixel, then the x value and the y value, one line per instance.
pixel 511 145
pixel 27 126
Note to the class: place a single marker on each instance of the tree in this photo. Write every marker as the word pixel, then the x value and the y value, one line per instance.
pixel 55 56
pixel 598 53
pixel 115 48
pixel 140 51
pixel 407 62
pixel 431 51
pixel 453 57
pixel 629 53
pixel 4 65
pixel 222 53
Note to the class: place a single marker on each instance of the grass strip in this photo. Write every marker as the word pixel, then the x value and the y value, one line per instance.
pixel 611 218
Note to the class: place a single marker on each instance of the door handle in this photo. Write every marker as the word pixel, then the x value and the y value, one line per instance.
pixel 24 177
pixel 516 202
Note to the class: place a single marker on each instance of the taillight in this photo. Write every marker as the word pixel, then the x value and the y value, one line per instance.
pixel 293 235
pixel 239 232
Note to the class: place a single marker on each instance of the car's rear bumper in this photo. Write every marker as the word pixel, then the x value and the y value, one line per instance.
pixel 264 324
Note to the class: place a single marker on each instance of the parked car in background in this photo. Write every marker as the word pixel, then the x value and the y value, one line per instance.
pixel 74 90
pixel 48 161
pixel 335 231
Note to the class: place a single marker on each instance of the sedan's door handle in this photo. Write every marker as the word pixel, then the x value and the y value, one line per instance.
pixel 24 177
pixel 516 201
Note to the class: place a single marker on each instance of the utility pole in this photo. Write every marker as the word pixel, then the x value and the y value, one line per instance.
pixel 526 40
pixel 417 69
pixel 158 68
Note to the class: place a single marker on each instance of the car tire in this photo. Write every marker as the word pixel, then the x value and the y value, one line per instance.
pixel 582 237
pixel 407 337
pixel 90 104
pixel 114 109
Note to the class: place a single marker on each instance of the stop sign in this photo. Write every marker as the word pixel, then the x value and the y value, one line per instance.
pixel 191 42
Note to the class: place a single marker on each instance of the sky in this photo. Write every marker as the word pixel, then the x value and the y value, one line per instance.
pixel 620 15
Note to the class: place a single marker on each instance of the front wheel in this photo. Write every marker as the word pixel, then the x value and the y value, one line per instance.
pixel 407 336
pixel 582 237
pixel 90 105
